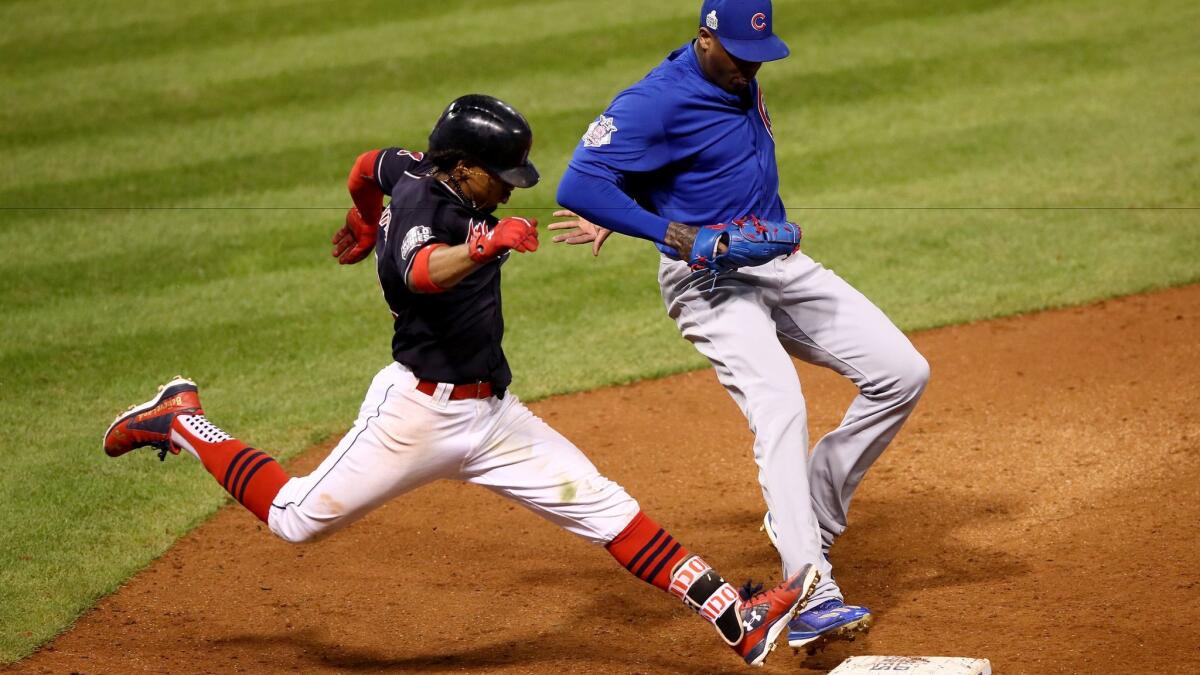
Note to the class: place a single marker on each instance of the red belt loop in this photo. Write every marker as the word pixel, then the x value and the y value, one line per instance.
pixel 460 391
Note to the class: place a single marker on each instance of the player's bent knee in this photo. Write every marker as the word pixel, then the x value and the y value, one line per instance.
pixel 906 379
pixel 299 536
pixel 916 376
pixel 296 535
pixel 294 528
pixel 910 380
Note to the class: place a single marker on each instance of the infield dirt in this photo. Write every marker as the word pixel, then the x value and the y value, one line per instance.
pixel 1041 509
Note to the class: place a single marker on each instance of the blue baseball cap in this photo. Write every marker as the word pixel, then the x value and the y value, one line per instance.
pixel 744 28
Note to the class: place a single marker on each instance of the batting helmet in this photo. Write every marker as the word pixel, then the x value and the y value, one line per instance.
pixel 491 132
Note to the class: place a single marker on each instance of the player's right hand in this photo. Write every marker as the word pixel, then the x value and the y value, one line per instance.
pixel 512 233
pixel 355 240
pixel 583 231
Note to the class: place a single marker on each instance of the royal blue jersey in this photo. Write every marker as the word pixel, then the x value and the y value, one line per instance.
pixel 675 147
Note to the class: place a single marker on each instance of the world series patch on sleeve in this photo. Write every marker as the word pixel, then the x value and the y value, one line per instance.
pixel 913 665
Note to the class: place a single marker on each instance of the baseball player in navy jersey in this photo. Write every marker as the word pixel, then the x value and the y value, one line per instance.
pixel 442 408
pixel 686 158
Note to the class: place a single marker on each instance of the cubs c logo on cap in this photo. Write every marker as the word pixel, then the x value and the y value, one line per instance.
pixel 759 21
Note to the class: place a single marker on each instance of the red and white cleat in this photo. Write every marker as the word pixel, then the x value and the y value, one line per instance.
pixel 766 615
pixel 149 424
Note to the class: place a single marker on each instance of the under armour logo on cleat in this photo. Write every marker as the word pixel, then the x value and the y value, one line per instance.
pixel 753 620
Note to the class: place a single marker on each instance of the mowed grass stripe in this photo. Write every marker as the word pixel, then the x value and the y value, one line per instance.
pixel 51 21
pixel 406 48
pixel 295 64
pixel 240 24
pixel 305 93
pixel 299 87
pixel 377 101
pixel 180 185
pixel 1003 262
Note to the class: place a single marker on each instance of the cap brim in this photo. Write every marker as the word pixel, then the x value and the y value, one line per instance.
pixel 521 176
pixel 757 51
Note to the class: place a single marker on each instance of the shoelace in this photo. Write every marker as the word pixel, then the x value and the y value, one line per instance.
pixel 750 589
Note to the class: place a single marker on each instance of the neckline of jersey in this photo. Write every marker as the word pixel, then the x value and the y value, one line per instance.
pixel 474 210
pixel 687 54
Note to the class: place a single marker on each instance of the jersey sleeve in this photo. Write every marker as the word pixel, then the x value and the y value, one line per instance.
pixel 391 165
pixel 602 201
pixel 629 138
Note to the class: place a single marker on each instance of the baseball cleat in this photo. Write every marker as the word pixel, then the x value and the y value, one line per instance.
pixel 831 620
pixel 766 615
pixel 149 424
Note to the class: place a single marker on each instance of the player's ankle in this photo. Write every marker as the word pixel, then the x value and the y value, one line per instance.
pixel 699 586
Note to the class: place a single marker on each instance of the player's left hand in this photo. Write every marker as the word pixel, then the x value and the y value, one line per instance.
pixel 748 242
pixel 355 239
pixel 582 231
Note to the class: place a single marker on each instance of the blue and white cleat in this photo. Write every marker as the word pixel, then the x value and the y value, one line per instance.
pixel 831 620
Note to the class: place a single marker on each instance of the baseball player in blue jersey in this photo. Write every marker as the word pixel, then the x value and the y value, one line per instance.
pixel 686 158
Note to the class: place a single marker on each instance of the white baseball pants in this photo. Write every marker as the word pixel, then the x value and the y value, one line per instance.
pixel 749 324
pixel 403 439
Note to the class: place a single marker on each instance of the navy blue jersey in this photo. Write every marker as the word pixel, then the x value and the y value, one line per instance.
pixel 675 147
pixel 444 337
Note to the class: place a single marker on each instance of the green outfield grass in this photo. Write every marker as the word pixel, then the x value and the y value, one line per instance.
pixel 171 174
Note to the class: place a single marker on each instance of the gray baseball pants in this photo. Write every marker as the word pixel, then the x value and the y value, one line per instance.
pixel 750 324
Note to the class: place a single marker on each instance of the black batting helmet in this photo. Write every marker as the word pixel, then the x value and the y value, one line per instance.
pixel 491 132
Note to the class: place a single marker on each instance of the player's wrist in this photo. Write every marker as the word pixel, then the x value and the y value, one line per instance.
pixel 481 252
pixel 681 238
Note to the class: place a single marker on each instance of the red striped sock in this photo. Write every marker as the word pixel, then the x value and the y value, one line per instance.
pixel 648 551
pixel 251 476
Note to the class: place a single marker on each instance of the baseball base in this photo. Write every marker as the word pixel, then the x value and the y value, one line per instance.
pixel 914 665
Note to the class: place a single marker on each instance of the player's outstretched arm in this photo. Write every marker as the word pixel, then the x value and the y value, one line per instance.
pixel 601 201
pixel 438 267
pixel 583 231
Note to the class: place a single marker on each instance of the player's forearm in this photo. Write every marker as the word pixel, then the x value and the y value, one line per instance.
pixel 440 268
pixel 603 203
pixel 451 264
pixel 364 190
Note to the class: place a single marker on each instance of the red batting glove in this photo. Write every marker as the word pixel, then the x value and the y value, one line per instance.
pixel 512 233
pixel 355 240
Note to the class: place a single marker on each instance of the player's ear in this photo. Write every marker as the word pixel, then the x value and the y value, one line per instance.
pixel 704 38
